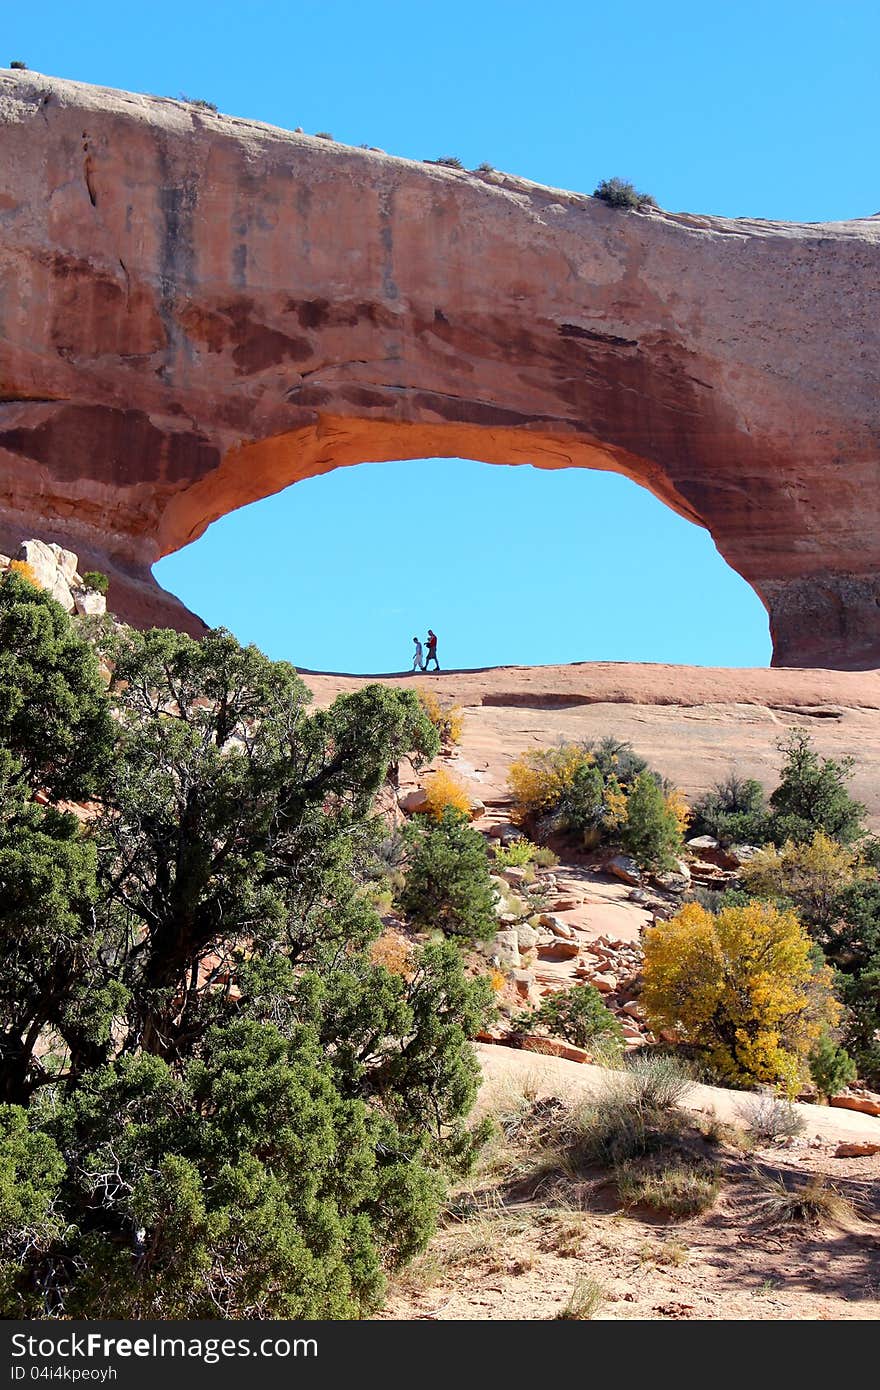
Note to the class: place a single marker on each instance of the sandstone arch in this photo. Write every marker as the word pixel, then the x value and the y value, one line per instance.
pixel 198 310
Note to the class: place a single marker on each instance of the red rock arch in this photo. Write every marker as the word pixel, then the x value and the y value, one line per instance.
pixel 198 311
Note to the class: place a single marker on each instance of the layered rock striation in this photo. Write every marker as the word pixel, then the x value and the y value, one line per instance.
pixel 197 310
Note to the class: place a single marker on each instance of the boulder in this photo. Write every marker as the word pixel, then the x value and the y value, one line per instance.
pixel 605 983
pixel 865 1102
pixel 60 591
pixel 527 937
pixel 42 561
pixel 557 926
pixel 634 1009
pixel 557 949
pixel 523 981
pixel 505 948
pixel 513 875
pixel 413 802
pixel 674 883
pixel 623 867
pixel 553 1047
pixel 741 854
pixel 66 563
pixel 701 843
pixel 860 1150
pixel 89 603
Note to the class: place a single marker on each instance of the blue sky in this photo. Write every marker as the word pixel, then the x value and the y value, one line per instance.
pixel 762 108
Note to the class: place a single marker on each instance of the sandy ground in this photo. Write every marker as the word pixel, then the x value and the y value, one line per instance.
pixel 525 1257
pixel 556 1076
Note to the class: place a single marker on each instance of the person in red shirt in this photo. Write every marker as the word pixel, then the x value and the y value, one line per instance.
pixel 432 650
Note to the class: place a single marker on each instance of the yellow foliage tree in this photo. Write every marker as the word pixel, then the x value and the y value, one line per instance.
pixel 811 875
pixel 444 789
pixel 538 778
pixel 742 987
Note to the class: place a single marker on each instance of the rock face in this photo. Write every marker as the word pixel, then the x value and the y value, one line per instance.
pixel 198 310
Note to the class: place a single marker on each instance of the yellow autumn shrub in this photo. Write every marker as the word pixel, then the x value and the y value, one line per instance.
pixel 538 778
pixel 448 721
pixel 676 803
pixel 444 789
pixel 615 805
pixel 812 875
pixel 394 952
pixel 25 571
pixel 742 987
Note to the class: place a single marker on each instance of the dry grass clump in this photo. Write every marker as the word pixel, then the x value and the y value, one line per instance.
pixel 637 1113
pixel 768 1118
pixel 563 1231
pixel 674 1188
pixel 585 1300
pixel 666 1252
pixel 814 1203
pixel 718 1131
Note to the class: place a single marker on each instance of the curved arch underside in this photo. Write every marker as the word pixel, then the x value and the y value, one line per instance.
pixel 198 311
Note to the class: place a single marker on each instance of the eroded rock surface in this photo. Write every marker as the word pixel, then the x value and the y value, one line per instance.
pixel 198 310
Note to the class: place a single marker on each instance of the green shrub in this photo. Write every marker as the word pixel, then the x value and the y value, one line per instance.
pixel 18 64
pixel 323 135
pixel 582 804
pixel 615 757
pixel 831 1066
pixel 521 852
pixel 579 1015
pixel 200 103
pixel 449 161
pixel 734 811
pixel 485 168
pixel 620 193
pixel 447 884
pixel 515 855
pixel 812 795
pixel 544 857
pixel 651 833
pixel 94 579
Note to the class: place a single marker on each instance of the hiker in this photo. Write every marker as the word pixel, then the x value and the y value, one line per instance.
pixel 418 663
pixel 432 650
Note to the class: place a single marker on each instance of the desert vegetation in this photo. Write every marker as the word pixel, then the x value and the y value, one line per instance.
pixel 620 193
pixel 227 963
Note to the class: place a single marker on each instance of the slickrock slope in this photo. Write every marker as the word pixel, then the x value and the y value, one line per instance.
pixel 197 310
pixel 694 723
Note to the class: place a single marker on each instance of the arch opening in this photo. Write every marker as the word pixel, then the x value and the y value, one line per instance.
pixel 520 566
